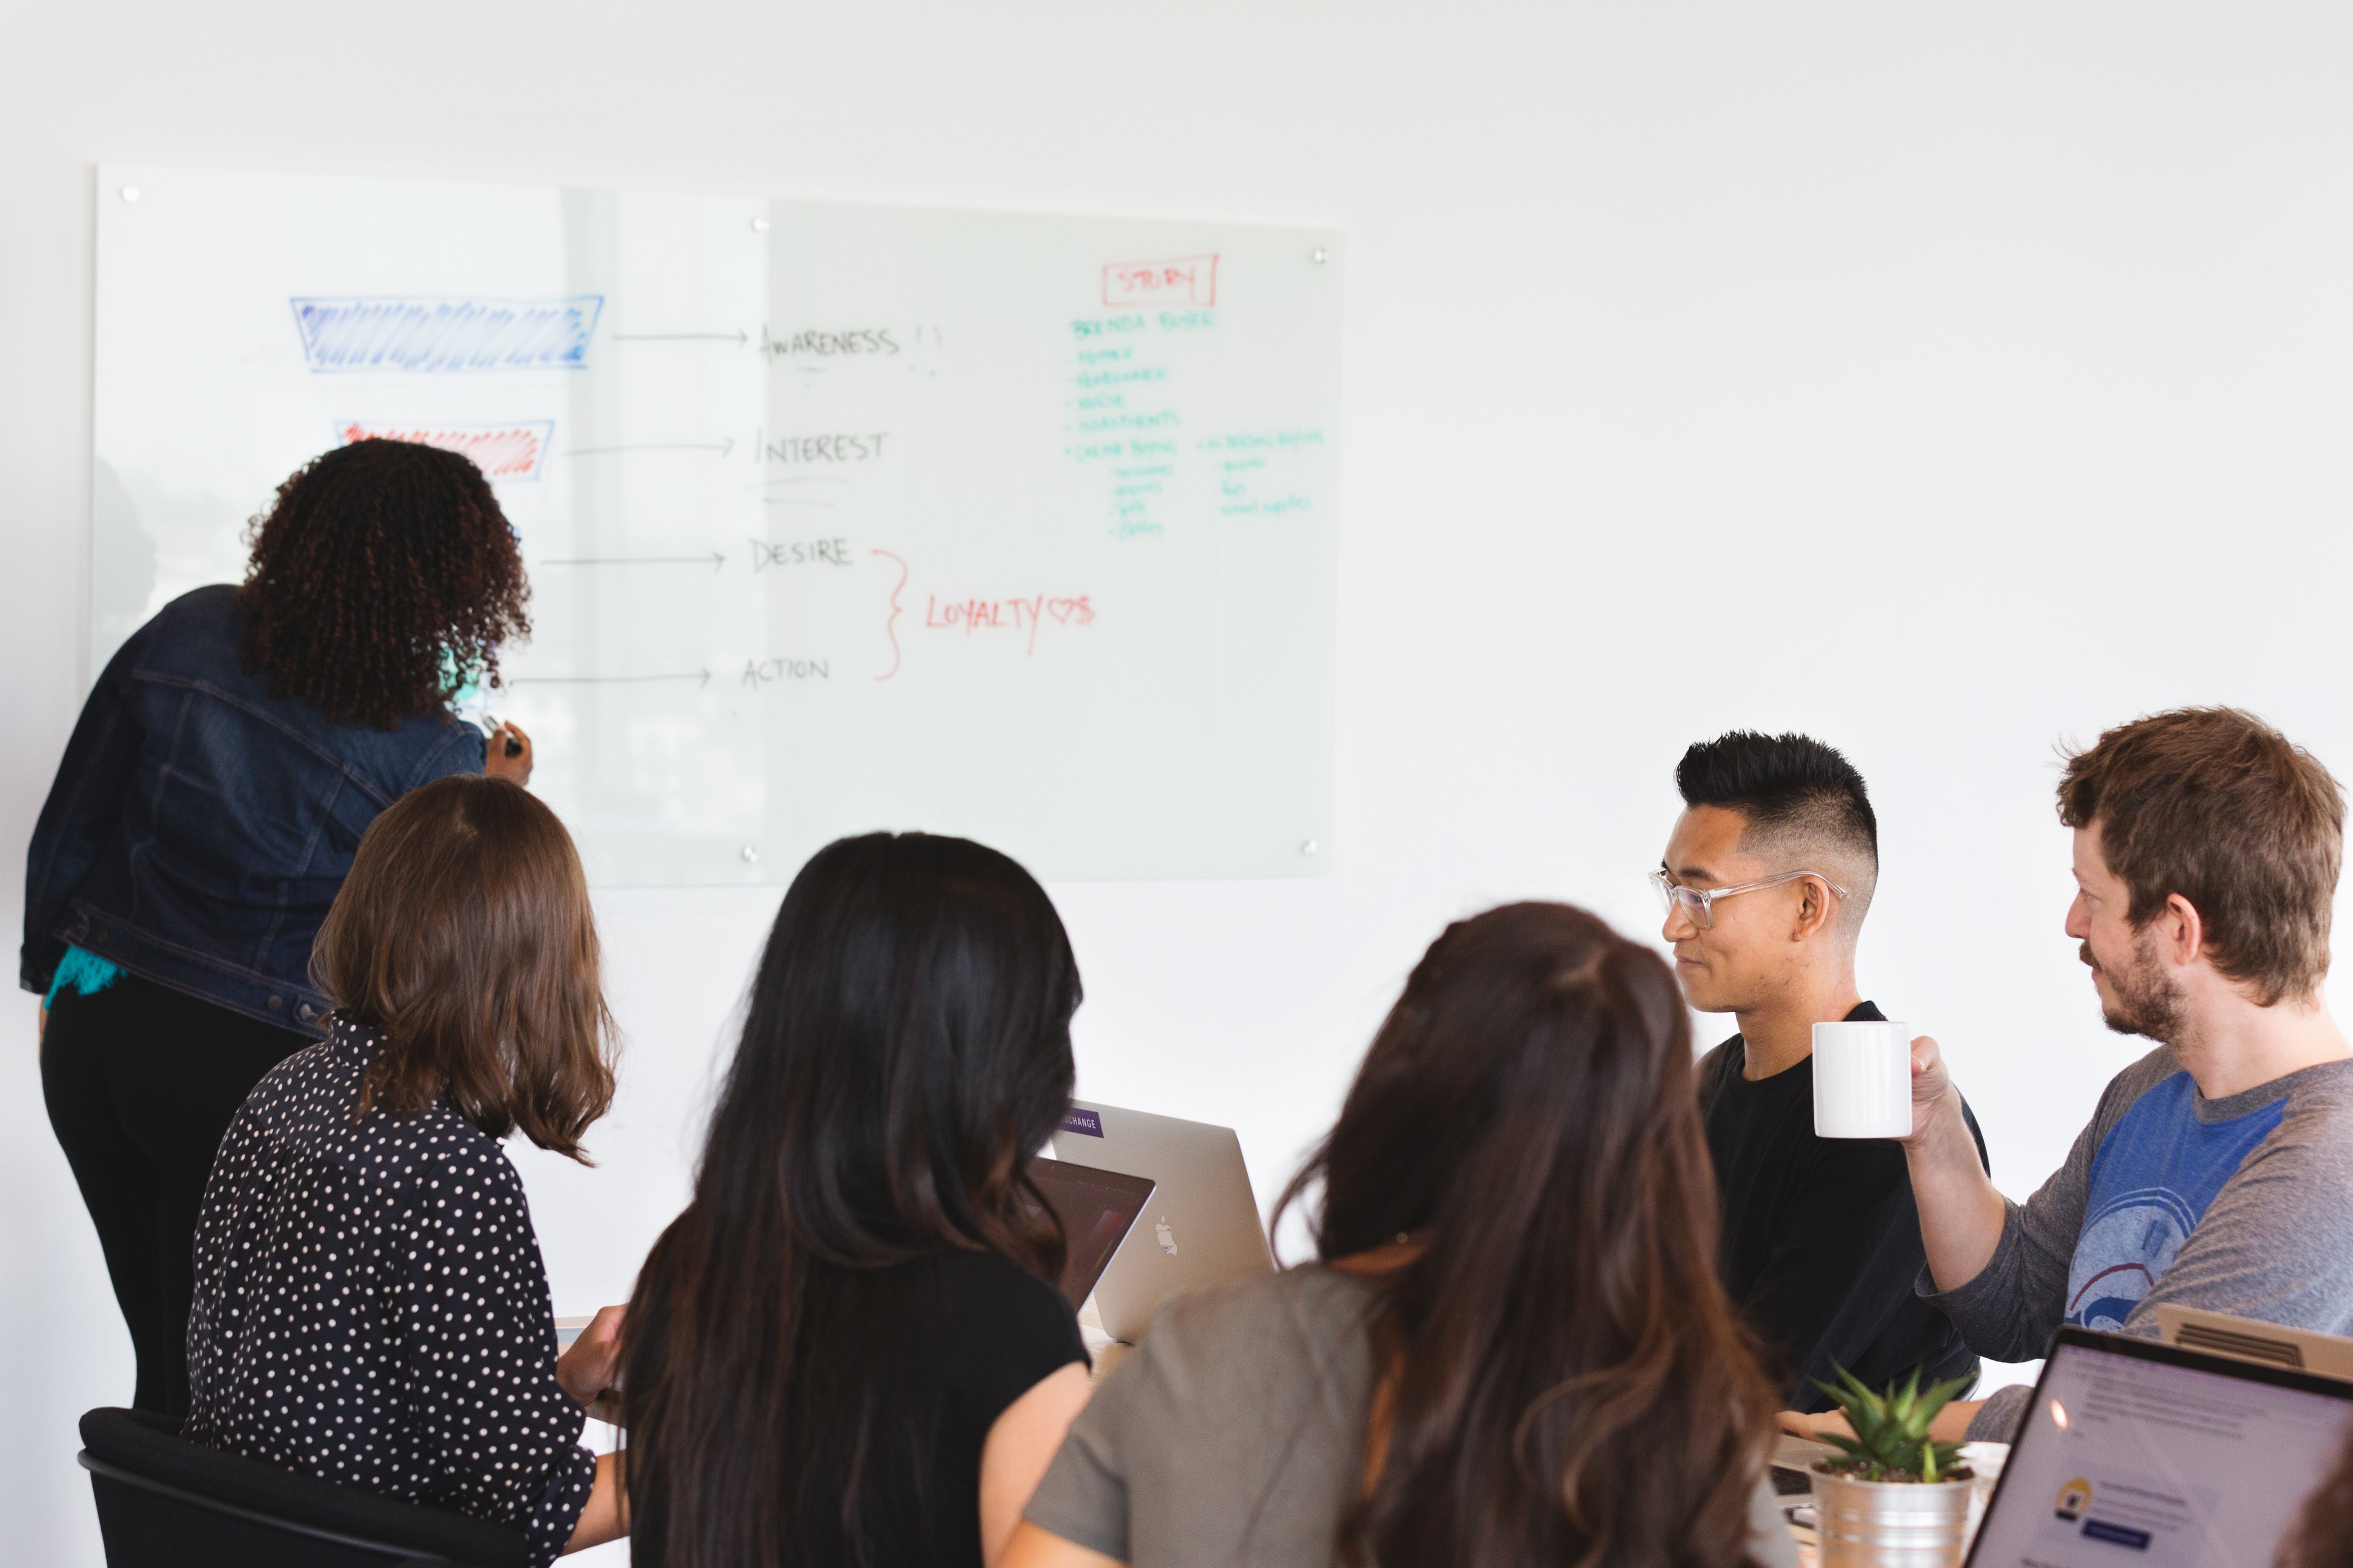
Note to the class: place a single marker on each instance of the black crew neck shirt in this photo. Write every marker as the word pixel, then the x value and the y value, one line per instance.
pixel 951 1341
pixel 1821 1242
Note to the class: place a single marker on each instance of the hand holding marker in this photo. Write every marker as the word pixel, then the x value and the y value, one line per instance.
pixel 507 748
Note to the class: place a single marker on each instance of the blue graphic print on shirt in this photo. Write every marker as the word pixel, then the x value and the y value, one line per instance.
pixel 2154 1173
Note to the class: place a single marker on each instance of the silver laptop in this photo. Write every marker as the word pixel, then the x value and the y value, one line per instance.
pixel 2140 1455
pixel 1201 1226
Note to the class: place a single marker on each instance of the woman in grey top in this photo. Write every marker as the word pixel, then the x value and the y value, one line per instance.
pixel 1512 1350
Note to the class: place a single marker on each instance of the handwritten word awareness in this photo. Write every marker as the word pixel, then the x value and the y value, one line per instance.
pixel 856 341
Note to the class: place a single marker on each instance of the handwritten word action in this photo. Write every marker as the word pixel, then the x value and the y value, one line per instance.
pixel 768 671
pixel 1181 280
pixel 971 616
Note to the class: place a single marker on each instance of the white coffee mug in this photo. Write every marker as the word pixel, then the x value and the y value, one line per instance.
pixel 1862 1080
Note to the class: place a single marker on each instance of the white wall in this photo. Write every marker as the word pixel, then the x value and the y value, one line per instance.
pixel 1943 381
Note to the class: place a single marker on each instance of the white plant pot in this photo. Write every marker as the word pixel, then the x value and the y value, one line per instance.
pixel 1890 1524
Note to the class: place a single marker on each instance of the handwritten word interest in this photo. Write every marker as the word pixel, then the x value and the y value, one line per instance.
pixel 828 449
pixel 855 341
pixel 799 553
pixel 1008 614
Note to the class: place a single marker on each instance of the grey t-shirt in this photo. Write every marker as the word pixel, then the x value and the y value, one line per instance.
pixel 2275 1242
pixel 1235 1434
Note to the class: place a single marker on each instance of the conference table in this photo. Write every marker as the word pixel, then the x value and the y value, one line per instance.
pixel 1789 1454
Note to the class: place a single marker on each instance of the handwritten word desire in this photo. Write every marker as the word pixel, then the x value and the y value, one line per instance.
pixel 971 616
pixel 799 553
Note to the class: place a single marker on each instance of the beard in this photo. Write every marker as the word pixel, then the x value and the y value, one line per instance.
pixel 2147 1003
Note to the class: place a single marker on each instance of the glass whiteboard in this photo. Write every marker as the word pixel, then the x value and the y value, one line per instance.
pixel 837 518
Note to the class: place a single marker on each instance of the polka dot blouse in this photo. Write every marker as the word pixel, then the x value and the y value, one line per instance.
pixel 371 1307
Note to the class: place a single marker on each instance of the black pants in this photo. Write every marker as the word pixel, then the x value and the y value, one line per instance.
pixel 140 1081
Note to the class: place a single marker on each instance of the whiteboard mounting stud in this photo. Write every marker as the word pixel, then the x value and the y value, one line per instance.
pixel 1308 847
pixel 130 193
pixel 751 854
pixel 759 225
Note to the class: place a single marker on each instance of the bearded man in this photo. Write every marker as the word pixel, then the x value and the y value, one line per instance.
pixel 2218 1170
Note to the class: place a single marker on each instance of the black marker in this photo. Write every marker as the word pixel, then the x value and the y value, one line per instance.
pixel 491 726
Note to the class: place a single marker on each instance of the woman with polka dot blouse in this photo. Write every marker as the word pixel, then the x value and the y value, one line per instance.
pixel 370 1303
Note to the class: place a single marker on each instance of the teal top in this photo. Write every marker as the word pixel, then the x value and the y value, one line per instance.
pixel 86 972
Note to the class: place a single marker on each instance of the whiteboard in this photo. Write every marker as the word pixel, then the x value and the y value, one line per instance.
pixel 837 518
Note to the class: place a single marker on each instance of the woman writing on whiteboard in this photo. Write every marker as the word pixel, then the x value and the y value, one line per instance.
pixel 223 769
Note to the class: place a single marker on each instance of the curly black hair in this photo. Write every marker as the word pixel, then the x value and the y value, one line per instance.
pixel 382 582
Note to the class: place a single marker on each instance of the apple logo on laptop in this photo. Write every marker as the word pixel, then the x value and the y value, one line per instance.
pixel 1168 1236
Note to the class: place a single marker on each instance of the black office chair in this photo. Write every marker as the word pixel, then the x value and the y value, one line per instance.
pixel 163 1500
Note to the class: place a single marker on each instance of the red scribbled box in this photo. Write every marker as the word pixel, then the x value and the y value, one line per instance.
pixel 1180 280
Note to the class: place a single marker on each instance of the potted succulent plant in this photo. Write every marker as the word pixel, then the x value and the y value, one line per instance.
pixel 1896 1497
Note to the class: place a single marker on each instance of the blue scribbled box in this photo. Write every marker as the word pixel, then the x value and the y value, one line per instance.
pixel 447 335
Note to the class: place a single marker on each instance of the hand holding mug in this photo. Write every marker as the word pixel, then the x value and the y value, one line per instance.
pixel 1862 1079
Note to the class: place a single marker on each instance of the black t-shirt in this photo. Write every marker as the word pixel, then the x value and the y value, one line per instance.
pixel 962 1336
pixel 1821 1242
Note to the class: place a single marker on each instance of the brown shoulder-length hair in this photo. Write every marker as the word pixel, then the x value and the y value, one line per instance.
pixel 2218 807
pixel 463 934
pixel 1561 1379
pixel 382 582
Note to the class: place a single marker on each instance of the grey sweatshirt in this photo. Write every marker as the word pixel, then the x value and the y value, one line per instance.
pixel 2275 1242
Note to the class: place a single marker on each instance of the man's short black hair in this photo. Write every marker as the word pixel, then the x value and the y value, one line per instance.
pixel 1790 785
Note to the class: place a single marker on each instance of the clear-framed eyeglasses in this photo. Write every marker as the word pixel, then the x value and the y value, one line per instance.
pixel 1695 901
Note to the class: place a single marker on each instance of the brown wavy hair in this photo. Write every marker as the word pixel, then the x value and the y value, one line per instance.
pixel 2218 807
pixel 464 935
pixel 382 583
pixel 1563 1381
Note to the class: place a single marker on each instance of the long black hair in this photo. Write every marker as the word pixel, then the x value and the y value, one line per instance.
pixel 906 1050
pixel 1563 1379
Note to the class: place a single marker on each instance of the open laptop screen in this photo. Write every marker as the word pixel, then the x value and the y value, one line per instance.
pixel 2136 1455
pixel 1096 1208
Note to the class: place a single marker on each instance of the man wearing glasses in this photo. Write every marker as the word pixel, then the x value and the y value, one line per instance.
pixel 1766 880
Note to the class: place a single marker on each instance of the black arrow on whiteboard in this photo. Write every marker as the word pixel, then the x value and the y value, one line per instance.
pixel 700 676
pixel 715 558
pixel 723 445
pixel 739 337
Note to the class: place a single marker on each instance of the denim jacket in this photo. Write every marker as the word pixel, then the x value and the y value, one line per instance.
pixel 199 827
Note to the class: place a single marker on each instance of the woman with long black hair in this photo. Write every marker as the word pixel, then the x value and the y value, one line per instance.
pixel 849 1348
pixel 206 811
pixel 1512 1351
